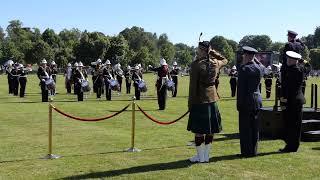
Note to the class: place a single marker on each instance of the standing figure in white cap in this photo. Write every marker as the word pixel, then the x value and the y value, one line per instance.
pixel 174 75
pixel 136 78
pixel 119 74
pixel 233 80
pixel 128 77
pixel 79 76
pixel 163 76
pixel 294 100
pixel 54 73
pixel 108 75
pixel 67 75
pixel 43 75
pixel 9 68
pixel 268 81
pixel 97 78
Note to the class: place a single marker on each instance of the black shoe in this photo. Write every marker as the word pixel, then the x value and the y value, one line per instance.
pixel 287 150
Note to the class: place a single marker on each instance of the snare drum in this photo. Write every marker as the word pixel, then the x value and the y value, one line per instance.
pixel 114 85
pixel 50 84
pixel 170 85
pixel 142 86
pixel 85 86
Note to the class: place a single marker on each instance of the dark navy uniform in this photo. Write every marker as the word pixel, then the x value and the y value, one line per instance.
pixel 15 80
pixel 119 77
pixel 108 74
pixel 78 76
pixel 43 76
pixel 233 82
pixel 295 99
pixel 97 78
pixel 293 45
pixel 68 79
pixel 174 75
pixel 268 84
pixel 136 78
pixel 54 72
pixel 10 79
pixel 128 77
pixel 161 85
pixel 22 80
pixel 249 102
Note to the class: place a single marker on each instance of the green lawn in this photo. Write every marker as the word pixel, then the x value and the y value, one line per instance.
pixel 95 149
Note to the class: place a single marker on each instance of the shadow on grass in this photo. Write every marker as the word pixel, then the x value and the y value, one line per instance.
pixel 228 137
pixel 316 148
pixel 154 167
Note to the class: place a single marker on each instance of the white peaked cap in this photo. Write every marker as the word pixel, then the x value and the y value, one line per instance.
pixel 163 62
pixel 44 61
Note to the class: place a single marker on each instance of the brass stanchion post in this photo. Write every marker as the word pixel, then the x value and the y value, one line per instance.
pixel 133 126
pixel 50 155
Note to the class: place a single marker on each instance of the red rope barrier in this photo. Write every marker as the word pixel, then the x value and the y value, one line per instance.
pixel 88 119
pixel 159 122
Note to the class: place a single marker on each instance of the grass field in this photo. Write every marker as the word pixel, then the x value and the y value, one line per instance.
pixel 95 149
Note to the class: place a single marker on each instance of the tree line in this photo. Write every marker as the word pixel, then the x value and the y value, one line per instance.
pixel 131 46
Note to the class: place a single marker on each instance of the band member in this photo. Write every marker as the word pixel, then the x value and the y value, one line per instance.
pixel 97 78
pixel 9 76
pixel 68 76
pixel 108 75
pixel 22 79
pixel 54 72
pixel 174 75
pixel 163 76
pixel 204 117
pixel 136 78
pixel 294 101
pixel 268 81
pixel 79 76
pixel 249 100
pixel 128 77
pixel 233 80
pixel 15 79
pixel 119 75
pixel 43 76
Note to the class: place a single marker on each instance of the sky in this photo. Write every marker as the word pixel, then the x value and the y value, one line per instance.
pixel 181 20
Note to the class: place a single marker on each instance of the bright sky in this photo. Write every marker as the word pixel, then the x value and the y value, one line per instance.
pixel 182 20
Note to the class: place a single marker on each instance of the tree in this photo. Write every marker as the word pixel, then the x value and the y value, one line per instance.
pixel 233 44
pixel 259 42
pixel 309 41
pixel 276 46
pixel 118 49
pixel 142 57
pixel 315 58
pixel 50 37
pixel 316 37
pixel 220 44
pixel 39 51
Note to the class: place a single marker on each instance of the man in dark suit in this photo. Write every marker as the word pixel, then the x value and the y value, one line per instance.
pixel 249 101
pixel 294 100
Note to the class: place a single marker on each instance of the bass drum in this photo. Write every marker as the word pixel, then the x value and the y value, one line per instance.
pixel 142 86
pixel 114 85
pixel 170 85
pixel 85 86
pixel 50 84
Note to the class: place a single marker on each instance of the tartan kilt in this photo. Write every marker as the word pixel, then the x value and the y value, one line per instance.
pixel 204 119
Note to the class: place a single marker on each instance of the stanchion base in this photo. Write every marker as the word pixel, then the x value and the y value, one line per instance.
pixel 133 150
pixel 51 156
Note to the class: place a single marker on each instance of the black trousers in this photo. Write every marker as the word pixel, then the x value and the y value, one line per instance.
pixel 293 122
pixel 108 90
pixel 23 83
pixel 303 87
pixel 136 91
pixel 15 83
pixel 249 132
pixel 68 86
pixel 97 85
pixel 79 92
pixel 233 85
pixel 10 84
pixel 162 96
pixel 175 80
pixel 128 86
pixel 44 92
pixel 268 83
pixel 120 83
pixel 53 92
